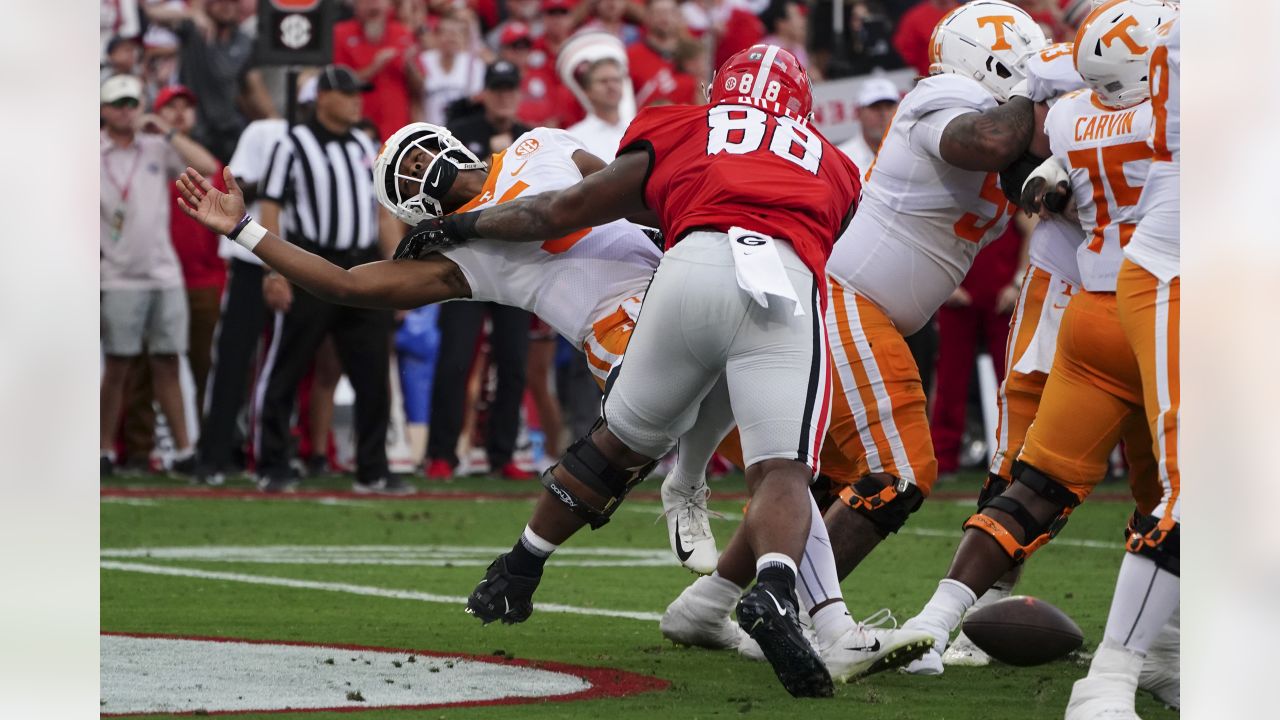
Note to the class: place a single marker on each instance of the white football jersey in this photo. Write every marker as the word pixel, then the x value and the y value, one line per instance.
pixel 570 282
pixel 1107 157
pixel 921 220
pixel 1156 245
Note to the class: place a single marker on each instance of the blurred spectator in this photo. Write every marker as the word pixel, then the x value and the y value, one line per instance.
pixel 490 131
pixel 727 25
pixel 543 101
pixel 877 101
pixel 378 48
pixel 543 341
pixel 523 13
pixel 650 61
pixel 142 303
pixel 202 270
pixel 602 129
pixel 786 22
pixel 215 65
pixel 448 72
pixel 610 16
pixel 123 56
pixel 973 320
pixel 693 72
pixel 557 26
pixel 320 178
pixel 417 345
pixel 911 39
pixel 159 60
pixel 869 44
pixel 117 18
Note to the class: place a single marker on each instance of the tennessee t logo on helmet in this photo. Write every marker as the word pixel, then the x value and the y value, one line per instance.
pixel 997 22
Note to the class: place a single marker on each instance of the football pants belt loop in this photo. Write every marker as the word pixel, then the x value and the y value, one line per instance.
pixel 759 268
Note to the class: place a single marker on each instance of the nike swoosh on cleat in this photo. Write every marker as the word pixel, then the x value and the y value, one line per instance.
pixel 781 610
pixel 680 551
pixel 869 648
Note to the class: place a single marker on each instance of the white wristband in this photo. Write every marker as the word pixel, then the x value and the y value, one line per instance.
pixel 250 235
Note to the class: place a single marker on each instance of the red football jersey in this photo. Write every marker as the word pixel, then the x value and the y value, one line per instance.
pixel 720 166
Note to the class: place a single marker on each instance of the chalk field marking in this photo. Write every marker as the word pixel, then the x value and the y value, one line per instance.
pixel 395 555
pixel 456 600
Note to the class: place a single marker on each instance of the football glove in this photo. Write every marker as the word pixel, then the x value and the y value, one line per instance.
pixel 436 234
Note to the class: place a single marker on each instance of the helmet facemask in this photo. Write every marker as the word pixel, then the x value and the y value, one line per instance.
pixel 448 156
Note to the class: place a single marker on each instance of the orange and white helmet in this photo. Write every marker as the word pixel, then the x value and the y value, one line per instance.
pixel 1113 48
pixel 987 41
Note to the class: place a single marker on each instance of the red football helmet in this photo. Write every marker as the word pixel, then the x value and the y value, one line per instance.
pixel 764 72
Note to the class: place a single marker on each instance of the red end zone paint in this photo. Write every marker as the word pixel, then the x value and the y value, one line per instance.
pixel 605 682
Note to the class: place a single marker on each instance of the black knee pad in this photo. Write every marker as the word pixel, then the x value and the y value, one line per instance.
pixel 884 500
pixel 992 488
pixel 1159 540
pixel 1037 532
pixel 584 461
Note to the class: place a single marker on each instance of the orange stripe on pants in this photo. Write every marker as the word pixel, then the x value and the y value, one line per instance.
pixel 1149 314
pixel 1091 394
pixel 1019 394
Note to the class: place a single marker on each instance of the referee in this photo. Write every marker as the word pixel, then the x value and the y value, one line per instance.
pixel 320 177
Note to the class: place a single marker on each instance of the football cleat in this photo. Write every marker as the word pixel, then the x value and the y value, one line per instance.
pixel 929 663
pixel 502 595
pixel 750 649
pixel 963 653
pixel 768 614
pixel 1107 692
pixel 694 618
pixel 689 526
pixel 869 647
pixel 1160 675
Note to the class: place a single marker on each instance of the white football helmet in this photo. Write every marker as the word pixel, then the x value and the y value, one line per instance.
pixel 446 157
pixel 987 41
pixel 1113 49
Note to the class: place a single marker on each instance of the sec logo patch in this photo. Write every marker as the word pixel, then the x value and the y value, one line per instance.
pixel 528 147
pixel 731 83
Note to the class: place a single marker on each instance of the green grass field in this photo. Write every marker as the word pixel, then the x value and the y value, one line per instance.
pixel 1076 573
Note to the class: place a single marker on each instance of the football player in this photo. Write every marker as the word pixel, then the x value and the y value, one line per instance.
pixel 932 199
pixel 751 199
pixel 1147 307
pixel 1094 390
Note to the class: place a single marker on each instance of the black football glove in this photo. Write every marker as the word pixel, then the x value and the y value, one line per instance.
pixel 426 237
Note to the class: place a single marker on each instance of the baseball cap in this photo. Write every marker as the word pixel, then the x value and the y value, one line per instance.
pixel 514 32
pixel 169 93
pixel 119 87
pixel 159 39
pixel 501 75
pixel 877 89
pixel 119 40
pixel 340 78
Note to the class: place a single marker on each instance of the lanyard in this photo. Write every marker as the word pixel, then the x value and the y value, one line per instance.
pixel 128 183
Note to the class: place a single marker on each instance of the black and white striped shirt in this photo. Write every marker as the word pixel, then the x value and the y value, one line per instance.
pixel 324 184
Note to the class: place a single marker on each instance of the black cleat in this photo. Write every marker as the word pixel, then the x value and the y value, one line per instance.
pixel 768 614
pixel 502 596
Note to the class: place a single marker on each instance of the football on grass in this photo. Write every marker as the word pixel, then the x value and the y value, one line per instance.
pixel 1022 630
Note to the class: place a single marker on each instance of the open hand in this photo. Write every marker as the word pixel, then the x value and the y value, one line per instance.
pixel 201 201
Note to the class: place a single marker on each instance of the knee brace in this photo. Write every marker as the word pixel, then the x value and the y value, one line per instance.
pixel 584 461
pixel 994 487
pixel 1158 539
pixel 884 500
pixel 1039 532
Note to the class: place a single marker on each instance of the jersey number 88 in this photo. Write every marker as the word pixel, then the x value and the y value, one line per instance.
pixel 741 129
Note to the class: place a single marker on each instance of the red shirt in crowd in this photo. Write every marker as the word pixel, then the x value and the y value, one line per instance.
pixel 742 29
pixel 803 199
pixel 911 39
pixel 656 80
pixel 197 248
pixel 387 104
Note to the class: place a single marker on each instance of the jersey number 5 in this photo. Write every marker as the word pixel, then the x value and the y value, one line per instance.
pixel 1107 162
pixel 740 129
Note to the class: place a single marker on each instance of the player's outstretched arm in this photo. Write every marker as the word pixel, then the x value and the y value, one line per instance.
pixel 612 193
pixel 386 284
pixel 989 141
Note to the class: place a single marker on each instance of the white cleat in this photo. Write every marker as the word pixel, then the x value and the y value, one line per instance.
pixel 1107 693
pixel 689 526
pixel 963 653
pixel 929 663
pixel 695 619
pixel 1160 673
pixel 869 647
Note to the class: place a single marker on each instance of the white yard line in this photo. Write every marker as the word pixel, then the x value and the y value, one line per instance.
pixel 358 589
pixel 138 502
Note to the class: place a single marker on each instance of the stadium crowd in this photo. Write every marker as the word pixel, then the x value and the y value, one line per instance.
pixel 181 85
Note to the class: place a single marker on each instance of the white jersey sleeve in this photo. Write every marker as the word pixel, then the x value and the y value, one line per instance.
pixel 921 221
pixel 1108 158
pixel 1051 73
pixel 569 282
pixel 1157 243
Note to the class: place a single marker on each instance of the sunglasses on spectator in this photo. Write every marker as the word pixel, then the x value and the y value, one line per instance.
pixel 125 103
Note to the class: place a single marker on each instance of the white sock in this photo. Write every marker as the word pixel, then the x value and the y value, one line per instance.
pixel 107 453
pixel 832 622
pixel 180 455
pixel 718 592
pixel 772 560
pixel 535 544
pixel 943 612
pixel 1146 598
pixel 1116 663
pixel 818 581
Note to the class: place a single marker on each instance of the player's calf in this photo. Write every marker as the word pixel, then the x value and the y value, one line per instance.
pixel 592 481
pixel 883 499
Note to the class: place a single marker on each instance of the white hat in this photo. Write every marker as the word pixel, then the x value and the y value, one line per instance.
pixel 308 90
pixel 119 87
pixel 877 89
